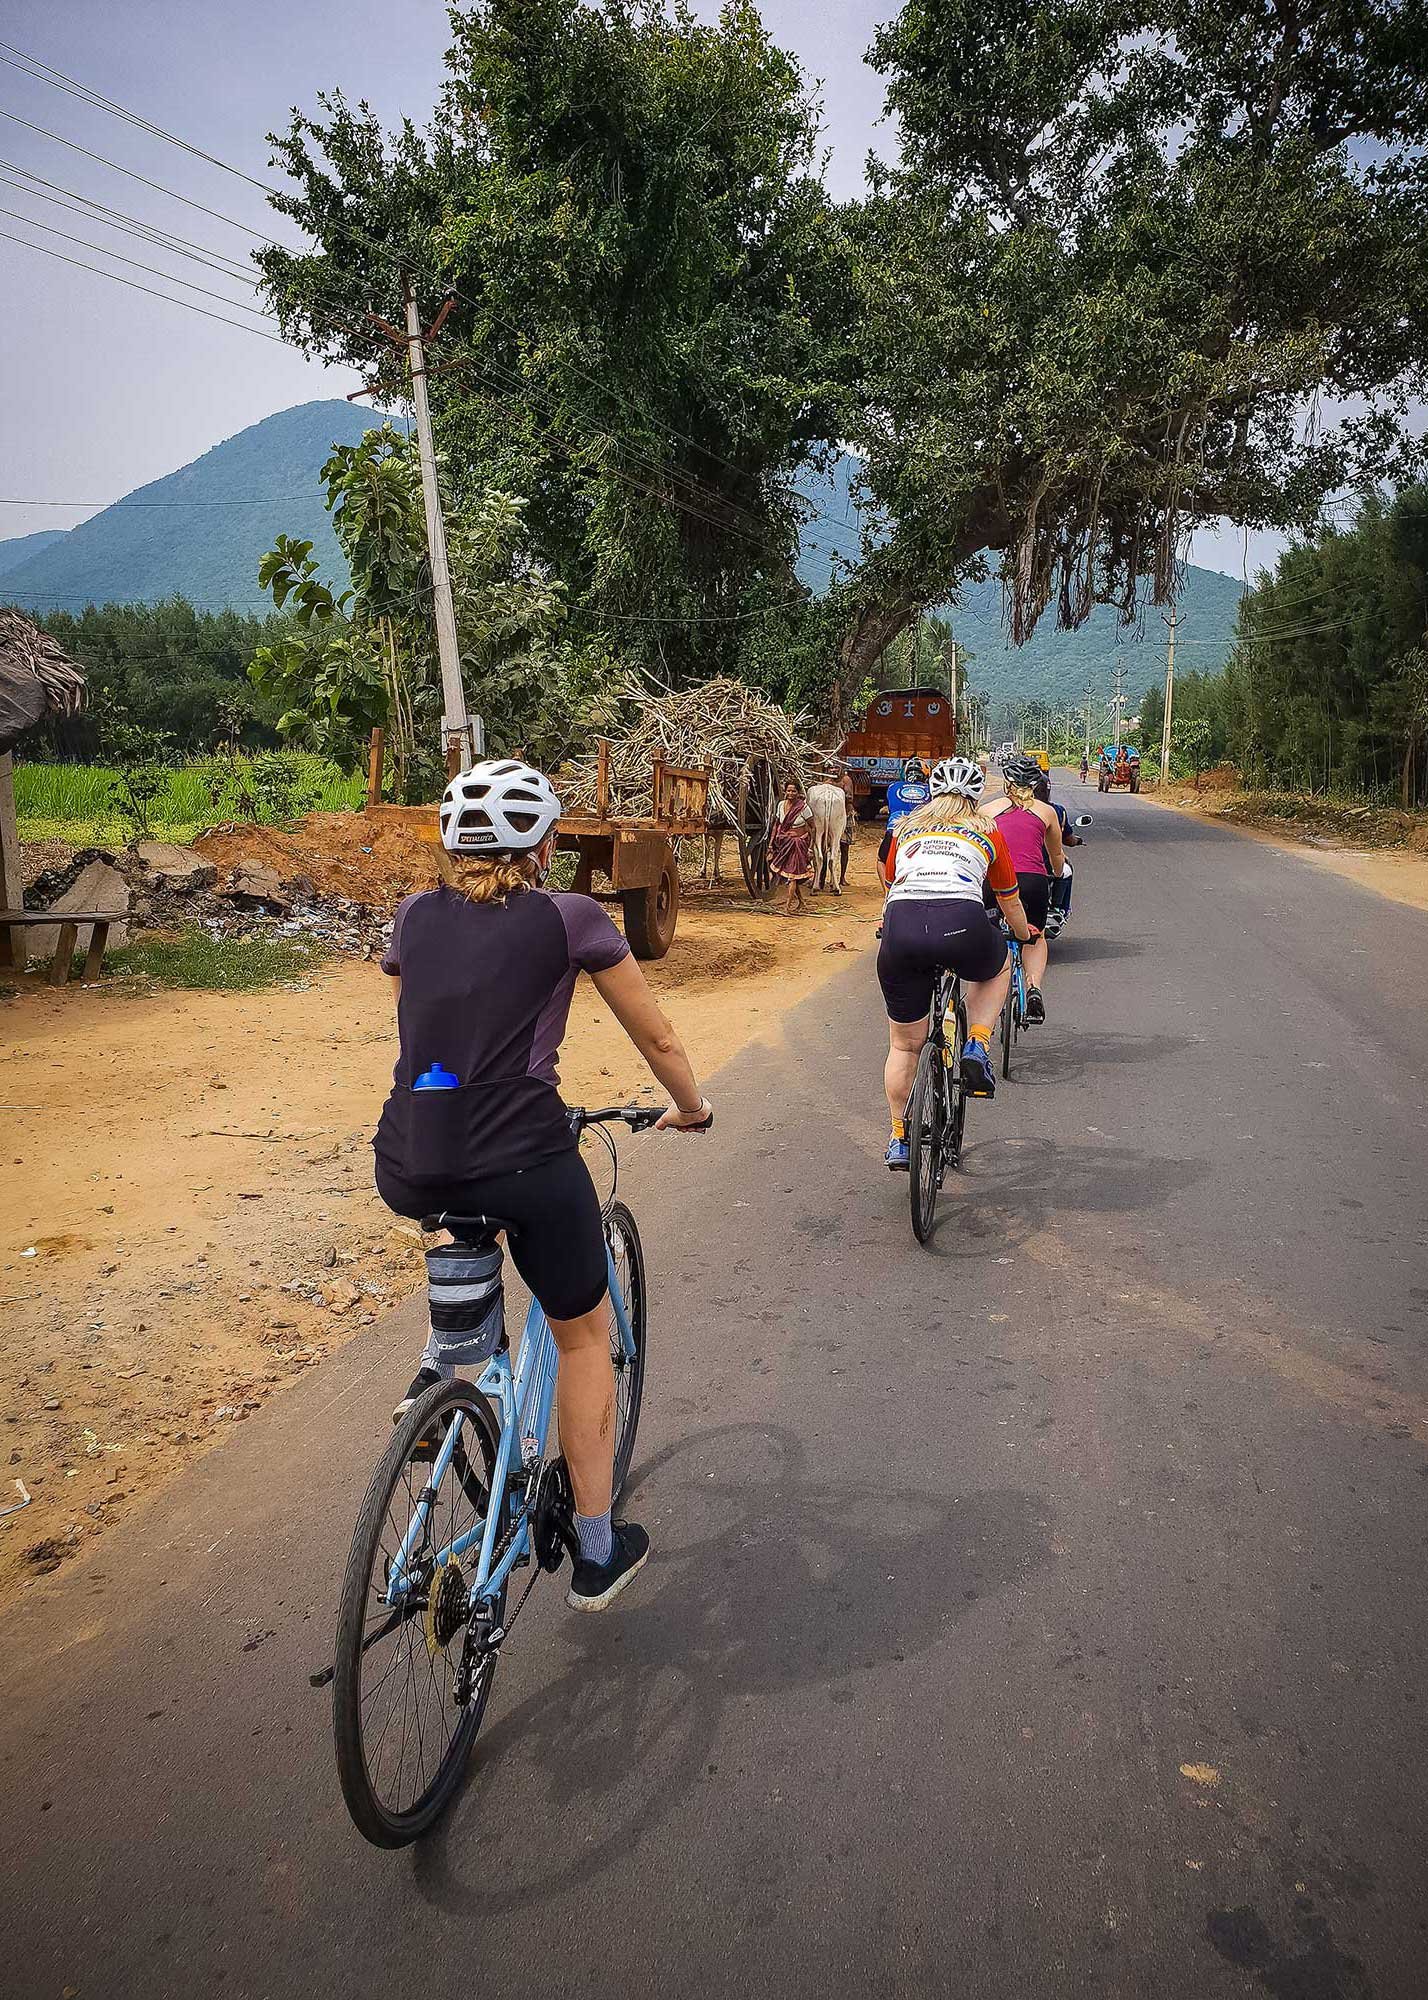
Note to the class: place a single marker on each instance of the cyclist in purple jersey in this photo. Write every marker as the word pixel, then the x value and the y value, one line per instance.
pixel 484 969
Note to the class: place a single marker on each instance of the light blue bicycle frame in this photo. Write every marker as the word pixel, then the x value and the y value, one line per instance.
pixel 524 1396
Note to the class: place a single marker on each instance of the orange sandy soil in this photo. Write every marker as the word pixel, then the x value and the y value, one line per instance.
pixel 1379 848
pixel 175 1161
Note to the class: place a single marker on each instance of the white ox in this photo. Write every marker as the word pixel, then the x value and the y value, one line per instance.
pixel 829 807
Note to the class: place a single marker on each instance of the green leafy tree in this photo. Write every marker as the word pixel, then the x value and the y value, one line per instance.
pixel 621 203
pixel 1122 257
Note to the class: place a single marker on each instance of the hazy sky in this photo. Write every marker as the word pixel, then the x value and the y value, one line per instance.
pixel 103 388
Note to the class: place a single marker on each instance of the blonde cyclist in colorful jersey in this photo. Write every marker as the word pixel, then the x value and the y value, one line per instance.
pixel 934 921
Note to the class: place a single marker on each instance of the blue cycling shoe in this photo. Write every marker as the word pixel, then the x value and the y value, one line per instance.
pixel 896 1155
pixel 977 1074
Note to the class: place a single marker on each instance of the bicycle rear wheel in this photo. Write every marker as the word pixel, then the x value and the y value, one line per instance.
pixel 402 1735
pixel 1008 1026
pixel 925 1138
pixel 629 1260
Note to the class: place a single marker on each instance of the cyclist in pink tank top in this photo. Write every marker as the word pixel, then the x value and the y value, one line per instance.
pixel 1025 835
pixel 1032 833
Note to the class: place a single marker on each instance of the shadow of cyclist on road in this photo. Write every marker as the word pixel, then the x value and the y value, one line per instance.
pixel 646 1706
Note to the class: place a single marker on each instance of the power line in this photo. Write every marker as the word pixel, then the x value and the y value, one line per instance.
pixel 170 277
pixel 116 218
pixel 135 286
pixel 144 181
pixel 29 65
pixel 691 486
pixel 61 81
pixel 269 500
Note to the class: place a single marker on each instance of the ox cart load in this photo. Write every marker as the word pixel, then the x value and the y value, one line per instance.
pixel 708 761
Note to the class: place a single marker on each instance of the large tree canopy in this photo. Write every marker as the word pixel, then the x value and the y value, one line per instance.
pixel 622 203
pixel 1126 251
pixel 1137 265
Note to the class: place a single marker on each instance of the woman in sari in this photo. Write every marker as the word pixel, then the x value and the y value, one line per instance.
pixel 789 846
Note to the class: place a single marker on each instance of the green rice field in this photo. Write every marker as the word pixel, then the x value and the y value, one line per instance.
pixel 74 802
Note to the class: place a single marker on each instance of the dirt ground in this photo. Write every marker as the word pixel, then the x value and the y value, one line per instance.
pixel 185 1186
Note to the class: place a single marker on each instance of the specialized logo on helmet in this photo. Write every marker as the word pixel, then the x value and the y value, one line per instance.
pixel 501 806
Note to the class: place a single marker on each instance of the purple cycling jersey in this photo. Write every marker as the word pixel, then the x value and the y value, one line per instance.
pixel 486 990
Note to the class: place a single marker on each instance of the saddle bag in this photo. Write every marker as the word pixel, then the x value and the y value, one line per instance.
pixel 467 1302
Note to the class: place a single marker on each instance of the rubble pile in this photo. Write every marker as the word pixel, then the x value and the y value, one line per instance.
pixel 162 887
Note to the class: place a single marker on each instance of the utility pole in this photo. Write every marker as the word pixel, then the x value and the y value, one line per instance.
pixel 1171 622
pixel 1089 691
pixel 462 737
pixel 1120 698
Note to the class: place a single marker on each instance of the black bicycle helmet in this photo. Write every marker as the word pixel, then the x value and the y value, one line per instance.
pixel 1021 770
pixel 914 771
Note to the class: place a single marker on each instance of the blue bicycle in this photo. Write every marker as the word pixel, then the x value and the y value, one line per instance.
pixel 1013 1020
pixel 465 1495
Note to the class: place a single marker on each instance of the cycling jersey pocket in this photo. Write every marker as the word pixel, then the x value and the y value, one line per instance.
pixel 432 1135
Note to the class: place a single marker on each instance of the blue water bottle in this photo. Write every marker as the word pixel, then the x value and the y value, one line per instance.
pixel 437 1078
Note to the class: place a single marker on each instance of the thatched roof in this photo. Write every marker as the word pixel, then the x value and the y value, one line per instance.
pixel 36 677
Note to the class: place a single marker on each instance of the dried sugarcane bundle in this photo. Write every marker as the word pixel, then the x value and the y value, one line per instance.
pixel 722 723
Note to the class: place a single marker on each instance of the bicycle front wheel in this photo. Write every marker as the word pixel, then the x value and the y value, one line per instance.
pixel 629 1261
pixel 925 1140
pixel 402 1730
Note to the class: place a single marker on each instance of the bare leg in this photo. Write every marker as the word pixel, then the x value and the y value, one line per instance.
pixel 1033 958
pixel 905 1040
pixel 585 1405
pixel 983 998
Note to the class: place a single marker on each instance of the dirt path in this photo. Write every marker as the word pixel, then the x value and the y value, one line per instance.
pixel 188 1217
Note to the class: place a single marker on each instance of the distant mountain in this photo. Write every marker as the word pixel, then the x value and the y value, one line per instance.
pixel 22 547
pixel 1052 665
pixel 199 533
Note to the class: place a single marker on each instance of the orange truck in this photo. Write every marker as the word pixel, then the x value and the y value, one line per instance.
pixel 900 723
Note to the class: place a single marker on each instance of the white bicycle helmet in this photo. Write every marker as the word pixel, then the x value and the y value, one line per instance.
pixel 499 807
pixel 957 774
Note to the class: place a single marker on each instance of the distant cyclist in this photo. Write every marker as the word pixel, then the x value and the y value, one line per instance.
pixel 939 858
pixel 484 969
pixel 1085 767
pixel 1033 837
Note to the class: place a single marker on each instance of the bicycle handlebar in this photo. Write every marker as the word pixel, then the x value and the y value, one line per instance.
pixel 638 1117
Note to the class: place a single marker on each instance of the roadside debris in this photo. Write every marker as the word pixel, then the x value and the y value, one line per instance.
pixel 162 887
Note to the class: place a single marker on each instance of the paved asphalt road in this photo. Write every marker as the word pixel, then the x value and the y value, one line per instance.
pixel 1041 1614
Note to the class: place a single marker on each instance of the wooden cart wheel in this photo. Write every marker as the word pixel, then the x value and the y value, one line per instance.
pixel 652 914
pixel 757 802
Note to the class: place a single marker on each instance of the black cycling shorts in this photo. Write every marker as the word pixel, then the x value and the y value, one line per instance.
pixel 557 1238
pixel 927 935
pixel 1035 893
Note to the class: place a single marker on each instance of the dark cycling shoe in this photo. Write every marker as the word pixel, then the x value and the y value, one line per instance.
pixel 1035 1007
pixel 424 1379
pixel 1053 926
pixel 595 1586
pixel 976 1072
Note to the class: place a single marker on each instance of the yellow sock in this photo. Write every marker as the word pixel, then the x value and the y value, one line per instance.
pixel 899 1129
pixel 979 1034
